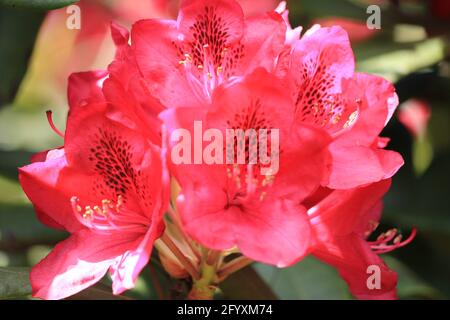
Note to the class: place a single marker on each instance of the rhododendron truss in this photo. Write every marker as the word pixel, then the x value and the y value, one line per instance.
pixel 219 139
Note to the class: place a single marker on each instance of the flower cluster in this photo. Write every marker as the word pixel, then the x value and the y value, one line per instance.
pixel 116 188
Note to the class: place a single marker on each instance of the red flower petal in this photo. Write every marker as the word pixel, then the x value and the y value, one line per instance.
pixel 353 259
pixel 77 263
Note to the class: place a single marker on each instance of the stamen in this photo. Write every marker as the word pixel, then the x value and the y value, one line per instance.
pixel 381 245
pixel 351 120
pixel 268 180
pixel 199 89
pixel 203 76
pixel 108 217
pixel 52 125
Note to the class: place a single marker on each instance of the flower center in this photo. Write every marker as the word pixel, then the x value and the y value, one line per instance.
pixel 109 216
pixel 209 59
pixel 245 183
pixel 318 103
pixel 252 140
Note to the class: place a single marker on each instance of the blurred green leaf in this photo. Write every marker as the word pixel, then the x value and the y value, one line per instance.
pixel 27 130
pixel 19 228
pixel 328 8
pixel 407 33
pixel 400 61
pixel 4 259
pixel 422 154
pixel 311 279
pixel 36 253
pixel 421 202
pixel 435 258
pixel 410 286
pixel 11 192
pixel 37 4
pixel 247 284
pixel 14 283
pixel 307 280
pixel 18 29
pixel 11 160
pixel 439 124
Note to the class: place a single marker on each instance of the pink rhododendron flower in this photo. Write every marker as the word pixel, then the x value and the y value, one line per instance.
pixel 353 108
pixel 222 205
pixel 342 220
pixel 291 34
pixel 249 7
pixel 211 42
pixel 106 188
pixel 357 30
pixel 414 115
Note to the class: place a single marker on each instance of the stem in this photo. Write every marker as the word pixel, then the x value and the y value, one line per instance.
pixel 204 288
pixel 213 257
pixel 187 264
pixel 233 266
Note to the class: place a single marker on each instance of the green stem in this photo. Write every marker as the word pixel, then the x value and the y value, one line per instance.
pixel 205 287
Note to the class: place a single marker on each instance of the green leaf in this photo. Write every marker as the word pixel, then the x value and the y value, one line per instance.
pixel 422 154
pixel 36 253
pixel 27 130
pixel 20 228
pixel 328 8
pixel 14 283
pixel 433 265
pixel 18 29
pixel 247 284
pixel 410 286
pixel 309 279
pixel 402 60
pixel 421 202
pixel 11 160
pixel 37 4
pixel 11 192
pixel 439 123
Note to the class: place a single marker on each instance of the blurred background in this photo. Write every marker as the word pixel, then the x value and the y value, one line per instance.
pixel 38 52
